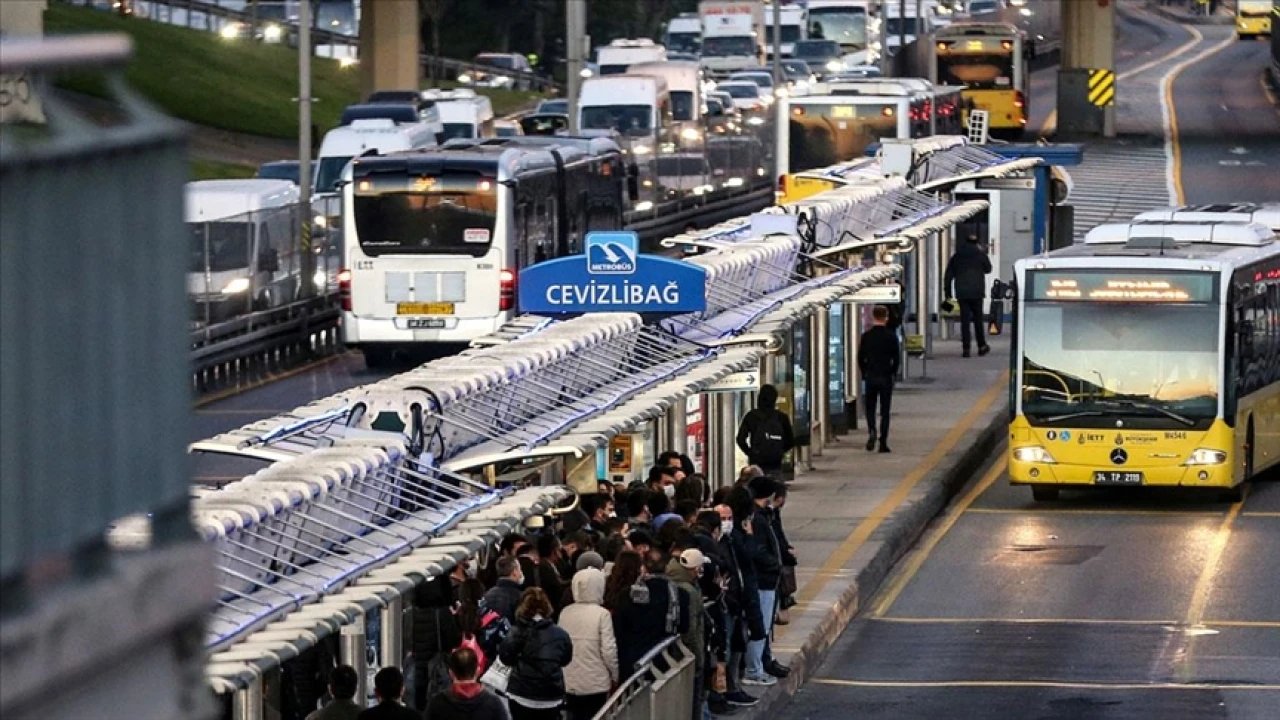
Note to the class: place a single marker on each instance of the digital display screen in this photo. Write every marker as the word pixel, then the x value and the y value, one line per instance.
pixel 1118 286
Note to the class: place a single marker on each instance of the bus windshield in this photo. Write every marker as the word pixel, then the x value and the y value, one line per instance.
pixel 450 214
pixel 847 26
pixel 900 26
pixel 1088 363
pixel 728 46
pixel 626 119
pixel 457 130
pixel 684 42
pixel 822 135
pixel 229 244
pixel 976 70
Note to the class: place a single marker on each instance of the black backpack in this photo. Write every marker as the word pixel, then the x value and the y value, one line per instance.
pixel 767 448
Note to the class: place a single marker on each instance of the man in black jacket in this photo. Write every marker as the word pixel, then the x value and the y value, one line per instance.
pixel 742 598
pixel 504 596
pixel 388 686
pixel 466 699
pixel 878 358
pixel 966 281
pixel 768 565
pixel 765 433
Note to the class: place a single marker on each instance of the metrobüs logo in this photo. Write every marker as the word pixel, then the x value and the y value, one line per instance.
pixel 611 253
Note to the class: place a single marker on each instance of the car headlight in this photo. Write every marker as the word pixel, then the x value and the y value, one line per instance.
pixel 236 286
pixel 1033 453
pixel 464 78
pixel 642 150
pixel 272 33
pixel 834 66
pixel 690 134
pixel 755 121
pixel 1206 456
pixel 320 221
pixel 320 278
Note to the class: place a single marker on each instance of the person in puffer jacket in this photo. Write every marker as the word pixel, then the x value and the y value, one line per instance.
pixel 594 670
pixel 537 652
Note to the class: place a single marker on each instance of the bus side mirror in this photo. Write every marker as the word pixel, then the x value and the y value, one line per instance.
pixel 269 260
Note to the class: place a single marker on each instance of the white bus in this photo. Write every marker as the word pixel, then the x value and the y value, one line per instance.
pixel 243 255
pixel 1267 214
pixel 463 113
pixel 619 55
pixel 435 240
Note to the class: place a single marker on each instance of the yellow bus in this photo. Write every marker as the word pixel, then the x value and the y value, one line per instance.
pixel 1148 355
pixel 1253 18
pixel 990 61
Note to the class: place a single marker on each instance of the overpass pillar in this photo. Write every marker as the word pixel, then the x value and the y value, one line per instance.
pixel 1086 80
pixel 389 47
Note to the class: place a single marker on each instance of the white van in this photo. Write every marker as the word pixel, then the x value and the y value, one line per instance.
pixel 684 85
pixel 243 236
pixel 637 106
pixel 619 55
pixel 381 135
pixel 463 113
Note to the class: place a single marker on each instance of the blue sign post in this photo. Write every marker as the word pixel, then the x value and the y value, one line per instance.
pixel 612 276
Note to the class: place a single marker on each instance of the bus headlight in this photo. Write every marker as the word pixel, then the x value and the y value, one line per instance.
pixel 1034 454
pixel 834 66
pixel 1206 456
pixel 236 286
pixel 320 221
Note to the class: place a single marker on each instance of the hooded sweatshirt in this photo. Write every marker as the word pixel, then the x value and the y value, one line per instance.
pixel 695 638
pixel 468 701
pixel 765 411
pixel 594 668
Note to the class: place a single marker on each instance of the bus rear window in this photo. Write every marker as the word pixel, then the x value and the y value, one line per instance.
pixel 450 214
pixel 977 70
pixel 822 135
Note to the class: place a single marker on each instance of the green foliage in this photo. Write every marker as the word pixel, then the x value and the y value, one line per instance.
pixel 211 170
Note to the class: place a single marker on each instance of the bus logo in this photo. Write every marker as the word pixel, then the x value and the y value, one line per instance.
pixel 612 253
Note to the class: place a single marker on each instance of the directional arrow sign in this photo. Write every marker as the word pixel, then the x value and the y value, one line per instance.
pixel 737 382
pixel 888 294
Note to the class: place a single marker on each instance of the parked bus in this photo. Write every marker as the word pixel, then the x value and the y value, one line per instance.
pixel 839 124
pixel 990 61
pixel 1253 18
pixel 435 240
pixel 1148 356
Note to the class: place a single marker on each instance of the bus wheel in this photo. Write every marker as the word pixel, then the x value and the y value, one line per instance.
pixel 375 357
pixel 1040 493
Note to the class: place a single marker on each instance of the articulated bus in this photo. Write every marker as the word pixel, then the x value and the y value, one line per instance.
pixel 1148 355
pixel 1253 18
pixel 839 124
pixel 990 61
pixel 435 239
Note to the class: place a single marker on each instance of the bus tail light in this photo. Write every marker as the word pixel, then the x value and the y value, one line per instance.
pixel 1017 99
pixel 344 289
pixel 506 290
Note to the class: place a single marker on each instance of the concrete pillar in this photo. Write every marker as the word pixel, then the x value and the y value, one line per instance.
pixel 677 420
pixel 351 651
pixel 1088 42
pixel 389 47
pixel 21 18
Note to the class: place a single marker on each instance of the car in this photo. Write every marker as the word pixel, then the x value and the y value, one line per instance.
pixel 503 127
pixel 489 67
pixel 763 78
pixel 282 170
pixel 857 72
pixel 553 107
pixel 544 123
pixel 798 72
pixel 746 94
pixel 399 97
pixel 685 57
pixel 822 56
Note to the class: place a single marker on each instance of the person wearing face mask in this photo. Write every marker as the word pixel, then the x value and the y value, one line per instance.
pixel 742 598
pixel 660 509
pixel 768 565
pixel 662 479
pixel 714 585
pixel 537 651
pixel 647 608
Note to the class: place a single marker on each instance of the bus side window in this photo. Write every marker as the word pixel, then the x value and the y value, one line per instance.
pixel 552 235
pixel 519 242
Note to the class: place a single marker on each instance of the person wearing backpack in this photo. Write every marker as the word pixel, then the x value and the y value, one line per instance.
pixel 434 633
pixel 765 433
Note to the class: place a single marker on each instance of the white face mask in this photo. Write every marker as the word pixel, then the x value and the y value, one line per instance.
pixel 613 514
pixel 669 490
pixel 726 527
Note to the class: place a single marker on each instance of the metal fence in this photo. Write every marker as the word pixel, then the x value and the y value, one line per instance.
pixel 660 689
pixel 92 350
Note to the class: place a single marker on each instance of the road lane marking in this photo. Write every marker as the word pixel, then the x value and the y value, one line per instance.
pixel 1204 584
pixel 1172 147
pixel 1018 621
pixel 262 412
pixel 1087 511
pixel 1261 514
pixel 1038 684
pixel 1242 623
pixel 918 557
pixel 1266 92
pixel 237 390
pixel 860 534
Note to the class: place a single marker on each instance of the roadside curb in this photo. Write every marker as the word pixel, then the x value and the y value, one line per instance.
pixel 904 529
pixel 1186 19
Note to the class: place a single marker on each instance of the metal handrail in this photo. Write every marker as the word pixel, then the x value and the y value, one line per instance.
pixel 59 52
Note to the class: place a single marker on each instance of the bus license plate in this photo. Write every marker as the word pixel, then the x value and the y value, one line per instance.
pixel 425 323
pixel 1115 477
pixel 409 308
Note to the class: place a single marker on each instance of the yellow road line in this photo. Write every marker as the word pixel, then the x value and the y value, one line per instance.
pixel 920 555
pixel 860 534
pixel 1088 511
pixel 1242 623
pixel 1038 684
pixel 1179 195
pixel 1261 514
pixel 1018 621
pixel 1050 123
pixel 233 391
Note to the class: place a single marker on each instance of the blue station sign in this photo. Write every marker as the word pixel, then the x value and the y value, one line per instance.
pixel 612 276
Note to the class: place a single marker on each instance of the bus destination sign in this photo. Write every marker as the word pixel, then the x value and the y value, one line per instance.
pixel 1121 286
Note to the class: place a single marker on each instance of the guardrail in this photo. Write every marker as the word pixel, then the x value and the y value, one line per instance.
pixel 202 15
pixel 661 687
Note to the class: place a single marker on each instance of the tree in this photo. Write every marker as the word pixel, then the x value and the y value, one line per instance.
pixel 434 11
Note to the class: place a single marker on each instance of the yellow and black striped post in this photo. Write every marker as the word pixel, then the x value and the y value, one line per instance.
pixel 1102 87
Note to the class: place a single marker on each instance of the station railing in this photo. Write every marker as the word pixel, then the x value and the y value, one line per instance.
pixel 660 688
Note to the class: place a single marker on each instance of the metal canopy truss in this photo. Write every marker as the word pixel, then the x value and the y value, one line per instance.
pixel 966 162
pixel 238 665
pixel 952 215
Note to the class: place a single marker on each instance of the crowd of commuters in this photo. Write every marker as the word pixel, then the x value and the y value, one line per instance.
pixel 559 618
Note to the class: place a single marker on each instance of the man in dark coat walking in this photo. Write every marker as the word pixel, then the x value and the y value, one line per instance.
pixel 878 359
pixel 966 281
